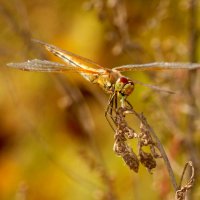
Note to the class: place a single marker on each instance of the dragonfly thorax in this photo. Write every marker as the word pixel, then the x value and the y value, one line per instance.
pixel 124 86
pixel 107 80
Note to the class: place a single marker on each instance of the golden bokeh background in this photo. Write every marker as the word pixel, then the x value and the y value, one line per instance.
pixel 55 143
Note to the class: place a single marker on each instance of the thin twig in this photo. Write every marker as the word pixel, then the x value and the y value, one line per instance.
pixel 182 190
pixel 192 77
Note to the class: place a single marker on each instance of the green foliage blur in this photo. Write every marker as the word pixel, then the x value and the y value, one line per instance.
pixel 55 143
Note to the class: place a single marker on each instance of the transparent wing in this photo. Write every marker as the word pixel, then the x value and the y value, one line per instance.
pixel 158 66
pixel 71 58
pixel 154 87
pixel 46 66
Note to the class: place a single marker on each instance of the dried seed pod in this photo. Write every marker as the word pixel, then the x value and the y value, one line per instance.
pixel 132 161
pixel 147 160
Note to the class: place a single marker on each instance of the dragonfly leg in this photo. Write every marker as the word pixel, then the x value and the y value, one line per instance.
pixel 129 104
pixel 109 110
pixel 116 103
pixel 125 103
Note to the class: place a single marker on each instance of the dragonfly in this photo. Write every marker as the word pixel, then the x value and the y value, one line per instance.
pixel 112 81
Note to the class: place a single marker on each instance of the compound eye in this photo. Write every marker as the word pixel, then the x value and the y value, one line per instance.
pixel 124 86
pixel 123 80
pixel 120 83
pixel 128 88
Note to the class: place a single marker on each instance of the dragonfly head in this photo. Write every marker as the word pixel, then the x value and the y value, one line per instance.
pixel 124 86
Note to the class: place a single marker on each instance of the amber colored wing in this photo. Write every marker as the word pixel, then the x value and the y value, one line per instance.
pixel 72 59
pixel 158 66
pixel 47 66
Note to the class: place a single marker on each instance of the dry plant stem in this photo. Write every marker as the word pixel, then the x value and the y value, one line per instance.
pixel 159 146
pixel 182 190
pixel 192 77
pixel 184 170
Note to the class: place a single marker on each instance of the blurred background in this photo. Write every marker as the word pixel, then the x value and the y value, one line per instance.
pixel 55 142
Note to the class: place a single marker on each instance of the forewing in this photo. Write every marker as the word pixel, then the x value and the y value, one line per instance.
pixel 71 58
pixel 46 66
pixel 158 66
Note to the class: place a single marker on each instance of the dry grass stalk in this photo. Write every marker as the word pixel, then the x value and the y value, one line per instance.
pixel 182 190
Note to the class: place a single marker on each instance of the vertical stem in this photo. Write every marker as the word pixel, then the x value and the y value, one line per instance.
pixel 192 76
pixel 166 160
